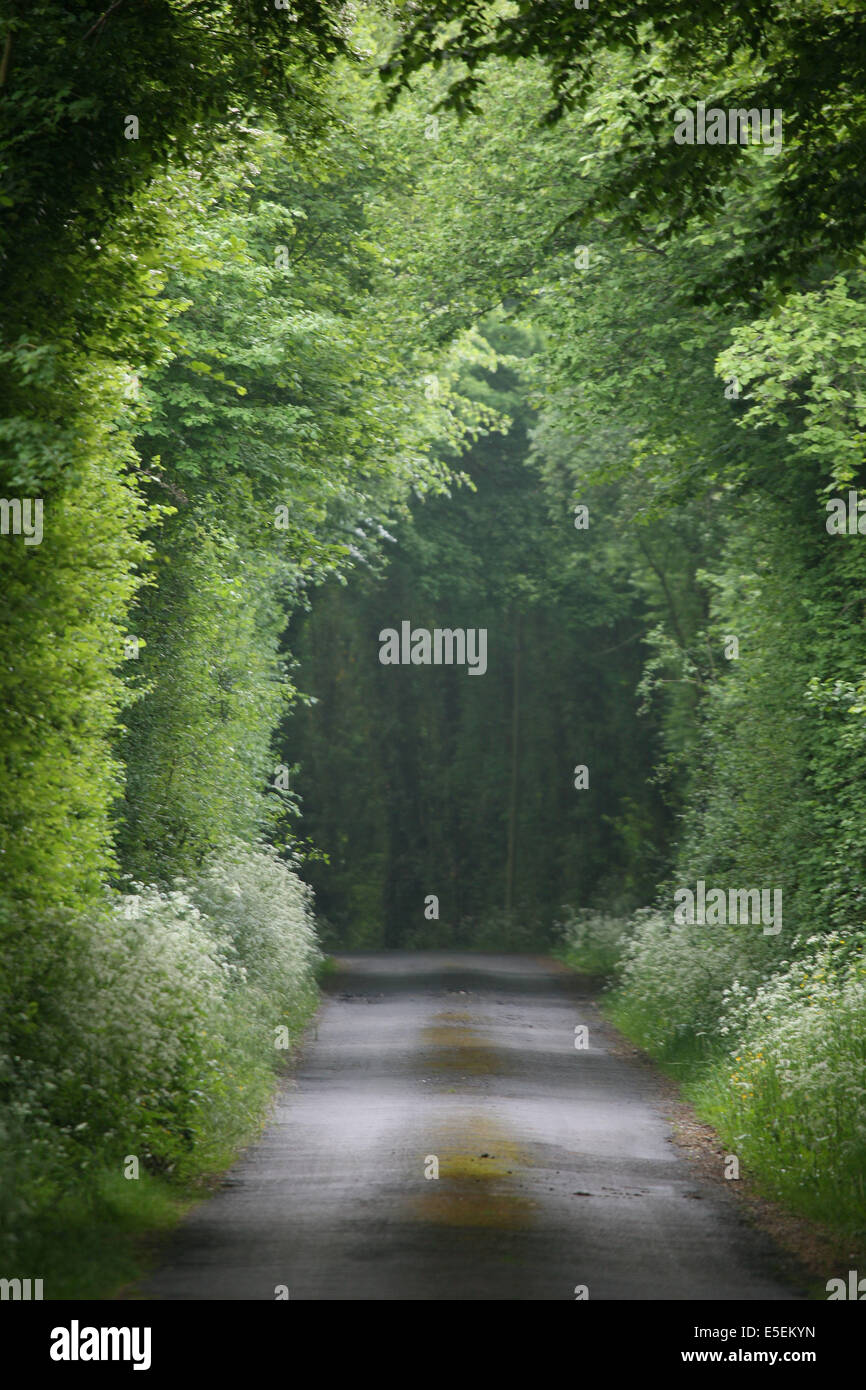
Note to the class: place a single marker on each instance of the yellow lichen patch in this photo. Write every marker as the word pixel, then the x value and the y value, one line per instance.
pixel 500 1160
pixel 452 1035
pixel 478 1165
pixel 467 1205
pixel 460 1049
pixel 474 1061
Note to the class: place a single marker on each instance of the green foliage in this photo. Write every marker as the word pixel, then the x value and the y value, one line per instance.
pixel 62 626
pixel 211 689
pixel 805 61
pixel 73 75
pixel 803 367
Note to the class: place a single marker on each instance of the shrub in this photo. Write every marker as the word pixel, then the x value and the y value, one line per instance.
pixel 789 1094
pixel 156 1037
pixel 265 913
pixel 592 941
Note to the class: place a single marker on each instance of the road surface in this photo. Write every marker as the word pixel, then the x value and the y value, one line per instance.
pixel 556 1174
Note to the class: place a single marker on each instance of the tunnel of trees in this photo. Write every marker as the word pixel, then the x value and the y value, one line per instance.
pixel 319 319
pixel 419 781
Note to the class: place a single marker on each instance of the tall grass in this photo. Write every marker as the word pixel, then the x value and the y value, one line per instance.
pixel 771 1050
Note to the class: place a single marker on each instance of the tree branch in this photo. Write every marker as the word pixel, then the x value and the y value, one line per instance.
pixel 102 18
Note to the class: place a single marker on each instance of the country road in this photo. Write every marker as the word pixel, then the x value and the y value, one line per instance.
pixel 556 1168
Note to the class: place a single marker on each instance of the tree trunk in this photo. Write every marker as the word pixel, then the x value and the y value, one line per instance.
pixel 512 794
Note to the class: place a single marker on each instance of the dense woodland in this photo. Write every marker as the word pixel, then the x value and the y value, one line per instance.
pixel 318 318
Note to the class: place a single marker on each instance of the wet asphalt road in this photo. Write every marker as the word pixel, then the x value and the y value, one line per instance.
pixel 555 1164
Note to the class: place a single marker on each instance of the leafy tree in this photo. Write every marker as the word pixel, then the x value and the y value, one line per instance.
pixel 806 61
